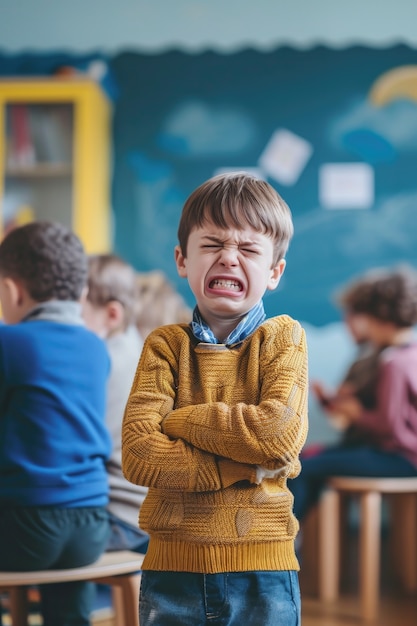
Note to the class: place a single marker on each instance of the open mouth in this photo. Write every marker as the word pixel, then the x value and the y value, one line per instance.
pixel 229 285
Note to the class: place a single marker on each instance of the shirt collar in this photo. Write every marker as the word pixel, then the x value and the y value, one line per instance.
pixel 245 327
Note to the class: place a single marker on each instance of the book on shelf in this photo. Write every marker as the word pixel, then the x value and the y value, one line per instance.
pixel 39 134
pixel 51 127
pixel 21 149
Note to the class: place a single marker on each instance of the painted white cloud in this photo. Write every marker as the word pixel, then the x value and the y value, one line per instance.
pixel 396 123
pixel 389 227
pixel 194 129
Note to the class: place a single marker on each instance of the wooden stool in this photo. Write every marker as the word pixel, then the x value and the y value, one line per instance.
pixel 120 570
pixel 370 492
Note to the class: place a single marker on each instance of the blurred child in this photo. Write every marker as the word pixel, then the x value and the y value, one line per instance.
pixel 158 303
pixel 216 420
pixel 109 311
pixel 54 443
pixel 381 414
pixel 362 375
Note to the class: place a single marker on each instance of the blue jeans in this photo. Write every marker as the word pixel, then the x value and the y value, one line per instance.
pixel 230 599
pixel 343 460
pixel 123 536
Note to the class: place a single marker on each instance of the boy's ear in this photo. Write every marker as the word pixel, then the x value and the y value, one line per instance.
pixel 180 262
pixel 276 273
pixel 84 294
pixel 17 292
pixel 115 315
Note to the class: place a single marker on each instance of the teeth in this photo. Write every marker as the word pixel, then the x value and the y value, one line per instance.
pixel 228 284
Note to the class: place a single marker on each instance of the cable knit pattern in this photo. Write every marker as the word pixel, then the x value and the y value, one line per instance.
pixel 200 421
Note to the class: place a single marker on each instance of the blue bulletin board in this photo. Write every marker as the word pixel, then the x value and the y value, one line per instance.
pixel 334 131
pixel 346 118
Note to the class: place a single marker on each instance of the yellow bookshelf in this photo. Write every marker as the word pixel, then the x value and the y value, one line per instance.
pixel 55 156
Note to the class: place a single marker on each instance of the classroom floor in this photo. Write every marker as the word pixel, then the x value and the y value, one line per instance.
pixel 396 608
pixel 395 612
pixel 102 615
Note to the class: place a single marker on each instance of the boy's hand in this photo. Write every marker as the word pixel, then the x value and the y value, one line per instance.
pixel 232 472
pixel 348 406
pixel 321 394
pixel 263 472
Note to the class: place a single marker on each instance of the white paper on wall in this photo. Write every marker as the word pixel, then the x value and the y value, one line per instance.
pixel 285 156
pixel 346 186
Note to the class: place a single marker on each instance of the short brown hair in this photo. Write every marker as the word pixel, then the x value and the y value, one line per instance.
pixel 48 258
pixel 387 295
pixel 112 278
pixel 235 200
pixel 158 303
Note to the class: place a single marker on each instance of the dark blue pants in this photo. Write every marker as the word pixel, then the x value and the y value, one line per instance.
pixel 36 538
pixel 123 536
pixel 343 460
pixel 230 599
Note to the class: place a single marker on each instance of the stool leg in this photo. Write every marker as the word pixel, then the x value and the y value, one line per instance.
pixel 309 553
pixel 19 606
pixel 329 547
pixel 369 551
pixel 118 606
pixel 396 534
pixel 409 543
pixel 125 598
pixel 130 590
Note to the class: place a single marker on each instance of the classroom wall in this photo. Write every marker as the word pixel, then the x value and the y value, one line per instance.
pixel 169 57
pixel 195 25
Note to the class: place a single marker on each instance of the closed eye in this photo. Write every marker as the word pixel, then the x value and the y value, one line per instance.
pixel 250 250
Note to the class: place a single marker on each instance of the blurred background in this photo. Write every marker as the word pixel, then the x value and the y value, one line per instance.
pixel 319 99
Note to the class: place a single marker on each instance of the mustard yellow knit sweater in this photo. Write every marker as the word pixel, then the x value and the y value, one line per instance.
pixel 214 433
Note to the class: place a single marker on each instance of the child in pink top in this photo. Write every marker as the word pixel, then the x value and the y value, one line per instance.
pixel 385 444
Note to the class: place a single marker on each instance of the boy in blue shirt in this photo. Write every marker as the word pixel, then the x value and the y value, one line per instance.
pixel 54 442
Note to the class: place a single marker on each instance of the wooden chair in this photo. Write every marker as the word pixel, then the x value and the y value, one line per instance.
pixel 120 570
pixel 369 491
